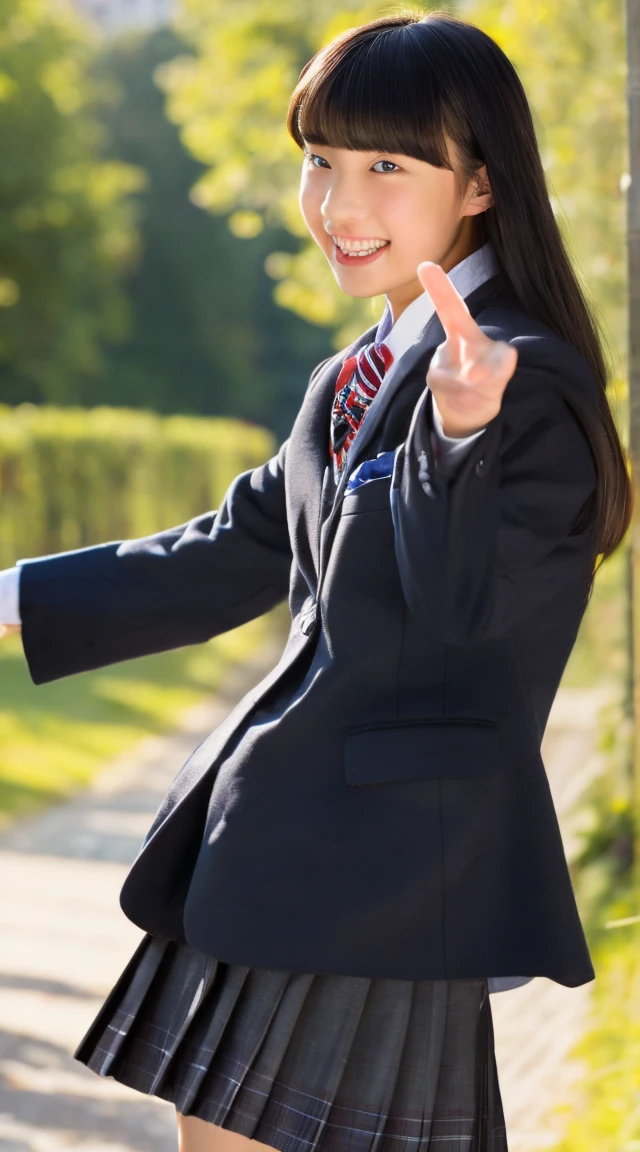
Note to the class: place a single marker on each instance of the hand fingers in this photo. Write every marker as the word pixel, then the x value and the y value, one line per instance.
pixel 497 359
pixel 497 362
pixel 478 388
pixel 465 407
pixel 454 315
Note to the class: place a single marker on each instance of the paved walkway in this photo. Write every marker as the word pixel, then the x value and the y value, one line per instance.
pixel 64 941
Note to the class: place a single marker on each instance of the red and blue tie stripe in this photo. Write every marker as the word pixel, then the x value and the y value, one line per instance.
pixel 358 382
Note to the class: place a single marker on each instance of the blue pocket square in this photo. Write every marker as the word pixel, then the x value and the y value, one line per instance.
pixel 379 469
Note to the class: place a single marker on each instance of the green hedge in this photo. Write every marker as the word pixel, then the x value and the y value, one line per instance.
pixel 71 477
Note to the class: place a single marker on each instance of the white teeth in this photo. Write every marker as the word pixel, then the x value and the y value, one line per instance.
pixel 358 247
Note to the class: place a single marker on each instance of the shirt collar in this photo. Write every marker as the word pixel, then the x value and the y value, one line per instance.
pixel 468 275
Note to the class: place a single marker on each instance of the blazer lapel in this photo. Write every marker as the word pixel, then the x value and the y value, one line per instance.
pixel 420 352
pixel 308 459
pixel 428 340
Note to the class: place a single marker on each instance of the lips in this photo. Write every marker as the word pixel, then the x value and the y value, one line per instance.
pixel 349 261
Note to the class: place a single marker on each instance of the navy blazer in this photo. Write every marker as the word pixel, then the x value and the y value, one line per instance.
pixel 377 805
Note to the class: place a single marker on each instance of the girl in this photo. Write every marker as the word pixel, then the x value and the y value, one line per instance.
pixel 367 846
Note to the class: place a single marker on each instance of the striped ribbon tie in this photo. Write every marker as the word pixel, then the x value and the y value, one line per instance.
pixel 359 379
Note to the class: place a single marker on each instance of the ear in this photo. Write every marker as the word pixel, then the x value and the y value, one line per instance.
pixel 479 196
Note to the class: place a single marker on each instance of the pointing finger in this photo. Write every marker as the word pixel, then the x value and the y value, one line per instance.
pixel 452 311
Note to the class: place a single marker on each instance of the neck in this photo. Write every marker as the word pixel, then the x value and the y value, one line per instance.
pixel 467 241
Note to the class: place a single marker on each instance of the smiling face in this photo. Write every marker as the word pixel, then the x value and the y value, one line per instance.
pixel 393 208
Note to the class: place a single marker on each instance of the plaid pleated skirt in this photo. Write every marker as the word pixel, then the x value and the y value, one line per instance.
pixel 303 1062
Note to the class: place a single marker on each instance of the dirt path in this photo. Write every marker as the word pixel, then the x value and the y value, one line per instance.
pixel 64 941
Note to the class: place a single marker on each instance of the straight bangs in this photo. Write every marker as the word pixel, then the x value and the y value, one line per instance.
pixel 413 86
pixel 372 93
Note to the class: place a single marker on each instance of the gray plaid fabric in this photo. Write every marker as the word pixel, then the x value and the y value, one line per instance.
pixel 303 1062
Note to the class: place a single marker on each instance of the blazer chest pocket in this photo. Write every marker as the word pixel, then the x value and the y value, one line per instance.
pixel 421 749
pixel 374 496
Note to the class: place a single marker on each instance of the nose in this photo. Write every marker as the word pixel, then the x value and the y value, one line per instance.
pixel 343 207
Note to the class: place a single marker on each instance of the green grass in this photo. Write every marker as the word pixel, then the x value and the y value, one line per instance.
pixel 55 737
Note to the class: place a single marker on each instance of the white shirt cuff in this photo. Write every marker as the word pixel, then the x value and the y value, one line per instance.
pixel 10 596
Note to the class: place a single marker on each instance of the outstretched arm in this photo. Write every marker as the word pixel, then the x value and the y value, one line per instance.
pixel 96 606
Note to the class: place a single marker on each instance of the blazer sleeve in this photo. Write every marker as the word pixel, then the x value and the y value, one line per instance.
pixel 480 551
pixel 99 605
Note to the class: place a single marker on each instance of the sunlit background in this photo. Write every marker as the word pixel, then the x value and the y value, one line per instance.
pixel 161 307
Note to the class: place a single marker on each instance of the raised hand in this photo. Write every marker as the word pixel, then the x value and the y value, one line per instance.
pixel 469 371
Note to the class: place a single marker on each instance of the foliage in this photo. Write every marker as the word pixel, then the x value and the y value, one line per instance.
pixel 600 653
pixel 606 1114
pixel 206 336
pixel 95 186
pixel 571 58
pixel 66 228
pixel 603 1112
pixel 602 870
pixel 231 101
pixel 70 478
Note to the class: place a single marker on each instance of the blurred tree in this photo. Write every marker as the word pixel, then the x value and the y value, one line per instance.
pixel 231 100
pixel 66 225
pixel 572 62
pixel 206 336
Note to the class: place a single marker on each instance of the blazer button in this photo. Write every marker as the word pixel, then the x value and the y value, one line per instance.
pixel 479 468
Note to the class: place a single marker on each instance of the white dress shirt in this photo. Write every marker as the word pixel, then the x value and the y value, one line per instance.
pixel 10 596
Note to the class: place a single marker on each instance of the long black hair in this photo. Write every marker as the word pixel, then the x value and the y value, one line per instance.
pixel 404 83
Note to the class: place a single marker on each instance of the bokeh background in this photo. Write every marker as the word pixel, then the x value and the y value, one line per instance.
pixel 161 307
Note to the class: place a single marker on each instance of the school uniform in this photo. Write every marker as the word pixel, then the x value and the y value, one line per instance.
pixel 375 812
